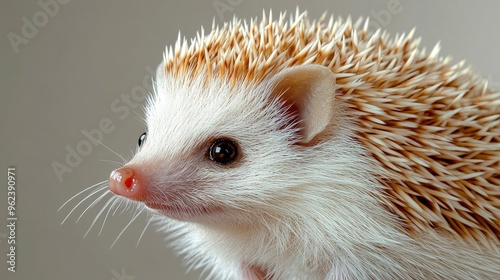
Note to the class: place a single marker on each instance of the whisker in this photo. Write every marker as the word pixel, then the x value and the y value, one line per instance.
pixel 143 231
pixel 92 204
pixel 129 223
pixel 120 203
pixel 80 193
pixel 131 205
pixel 127 206
pixel 116 199
pixel 112 199
pixel 79 203
pixel 112 161
pixel 124 161
pixel 139 117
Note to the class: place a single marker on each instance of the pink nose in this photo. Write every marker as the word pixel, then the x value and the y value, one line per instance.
pixel 124 181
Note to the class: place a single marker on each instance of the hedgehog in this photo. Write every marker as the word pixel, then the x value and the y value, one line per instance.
pixel 293 148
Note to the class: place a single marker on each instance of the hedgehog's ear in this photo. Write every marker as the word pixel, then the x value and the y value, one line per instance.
pixel 308 91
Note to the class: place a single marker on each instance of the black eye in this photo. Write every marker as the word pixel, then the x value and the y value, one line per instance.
pixel 223 151
pixel 142 138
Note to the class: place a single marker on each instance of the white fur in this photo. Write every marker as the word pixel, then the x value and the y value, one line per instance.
pixel 298 212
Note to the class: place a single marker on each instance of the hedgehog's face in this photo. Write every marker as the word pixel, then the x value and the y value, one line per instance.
pixel 222 154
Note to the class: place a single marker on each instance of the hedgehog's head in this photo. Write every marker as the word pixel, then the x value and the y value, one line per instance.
pixel 213 147
pixel 244 128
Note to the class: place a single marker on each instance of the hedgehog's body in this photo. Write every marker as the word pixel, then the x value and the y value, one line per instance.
pixel 391 169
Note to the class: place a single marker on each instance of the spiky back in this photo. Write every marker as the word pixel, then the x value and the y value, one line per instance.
pixel 434 127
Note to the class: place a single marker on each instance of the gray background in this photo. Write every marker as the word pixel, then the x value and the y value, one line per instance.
pixel 90 53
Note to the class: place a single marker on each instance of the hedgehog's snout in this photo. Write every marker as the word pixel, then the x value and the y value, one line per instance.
pixel 125 182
